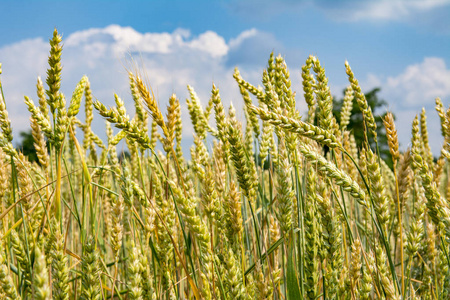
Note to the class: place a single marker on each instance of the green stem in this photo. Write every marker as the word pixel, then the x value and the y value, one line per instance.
pixel 58 212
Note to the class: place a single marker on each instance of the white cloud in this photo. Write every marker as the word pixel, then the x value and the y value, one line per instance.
pixel 125 39
pixel 372 81
pixel 211 43
pixel 22 62
pixel 421 83
pixel 236 42
pixel 417 86
pixel 411 11
pixel 391 9
pixel 169 61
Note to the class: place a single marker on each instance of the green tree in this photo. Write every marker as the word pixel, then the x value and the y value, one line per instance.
pixel 124 155
pixel 356 125
pixel 27 146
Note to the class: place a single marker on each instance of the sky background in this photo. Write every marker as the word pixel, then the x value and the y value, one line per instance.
pixel 401 46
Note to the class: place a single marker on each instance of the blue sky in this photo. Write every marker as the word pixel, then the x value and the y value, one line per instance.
pixel 401 46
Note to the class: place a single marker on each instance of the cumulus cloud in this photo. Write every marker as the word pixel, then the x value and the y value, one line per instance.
pixel 22 62
pixel 352 10
pixel 211 43
pixel 416 87
pixel 169 61
pixel 420 83
pixel 252 47
pixel 421 13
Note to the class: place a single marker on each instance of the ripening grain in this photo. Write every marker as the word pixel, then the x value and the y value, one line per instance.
pixel 276 207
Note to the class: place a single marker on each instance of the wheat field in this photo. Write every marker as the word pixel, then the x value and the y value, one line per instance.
pixel 279 206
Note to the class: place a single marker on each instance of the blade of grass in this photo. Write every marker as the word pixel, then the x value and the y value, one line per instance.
pixel 293 289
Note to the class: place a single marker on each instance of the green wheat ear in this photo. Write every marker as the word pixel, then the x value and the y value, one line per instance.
pixel 54 72
pixel 134 268
pixel 22 258
pixel 5 122
pixel 91 285
pixel 286 194
pixel 311 237
pixel 7 287
pixel 41 286
pixel 60 271
pixel 362 102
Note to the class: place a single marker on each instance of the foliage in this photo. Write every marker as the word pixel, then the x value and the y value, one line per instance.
pixel 26 146
pixel 356 125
